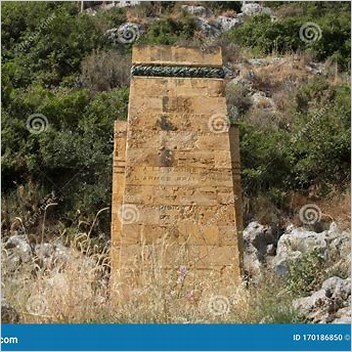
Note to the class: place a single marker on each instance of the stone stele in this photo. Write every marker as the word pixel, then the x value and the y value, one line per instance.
pixel 176 172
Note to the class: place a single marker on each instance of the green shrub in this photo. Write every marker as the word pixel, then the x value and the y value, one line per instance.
pixel 314 150
pixel 67 72
pixel 321 147
pixel 169 31
pixel 44 45
pixel 73 156
pixel 223 5
pixel 265 163
pixel 265 36
pixel 271 302
pixel 112 18
pixel 305 274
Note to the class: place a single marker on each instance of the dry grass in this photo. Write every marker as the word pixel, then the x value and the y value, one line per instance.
pixel 139 14
pixel 105 70
pixel 281 75
pixel 229 13
pixel 56 290
pixel 78 292
pixel 289 10
pixel 263 210
pixel 336 206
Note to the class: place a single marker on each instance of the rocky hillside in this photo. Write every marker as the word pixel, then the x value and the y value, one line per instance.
pixel 316 265
pixel 65 80
pixel 291 275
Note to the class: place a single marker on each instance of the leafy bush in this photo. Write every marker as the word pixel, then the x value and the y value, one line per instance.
pixel 270 302
pixel 315 150
pixel 321 149
pixel 224 5
pixel 265 36
pixel 112 18
pixel 58 62
pixel 305 274
pixel 44 47
pixel 73 156
pixel 169 31
pixel 261 154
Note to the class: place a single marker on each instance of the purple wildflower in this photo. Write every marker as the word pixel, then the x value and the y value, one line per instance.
pixel 182 275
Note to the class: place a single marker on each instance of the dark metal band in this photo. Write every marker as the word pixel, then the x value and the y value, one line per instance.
pixel 177 71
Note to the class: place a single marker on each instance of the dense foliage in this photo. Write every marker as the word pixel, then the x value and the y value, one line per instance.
pixel 44 46
pixel 59 63
pixel 265 36
pixel 314 150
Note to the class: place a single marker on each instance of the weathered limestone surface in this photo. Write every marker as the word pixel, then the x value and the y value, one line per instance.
pixel 176 183
pixel 119 163
pixel 166 55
